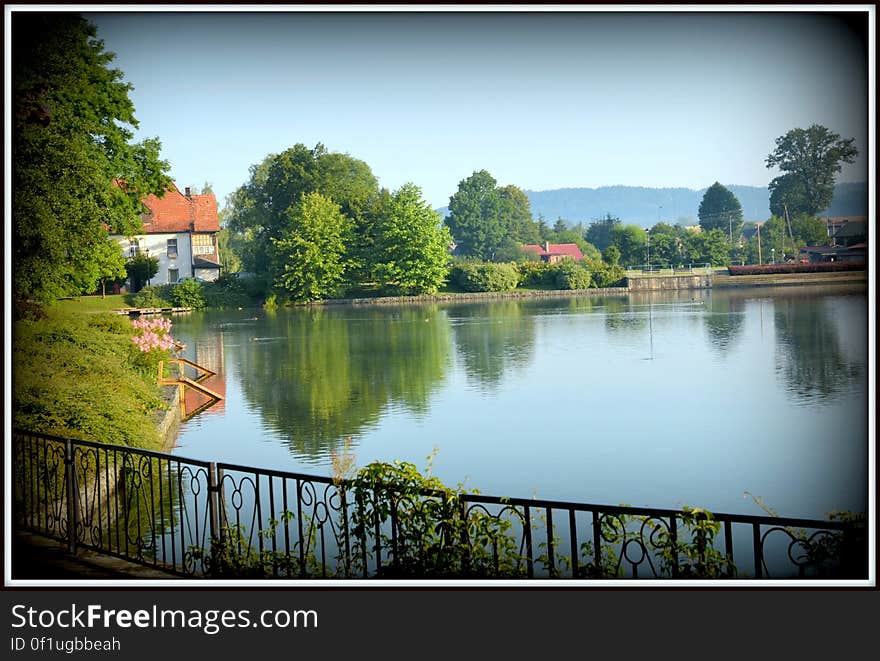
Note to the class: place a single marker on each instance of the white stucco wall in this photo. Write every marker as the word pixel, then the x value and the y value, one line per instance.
pixel 157 245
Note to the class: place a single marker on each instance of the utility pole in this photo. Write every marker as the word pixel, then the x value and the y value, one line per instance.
pixel 760 261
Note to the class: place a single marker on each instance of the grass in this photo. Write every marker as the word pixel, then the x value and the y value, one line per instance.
pixel 91 304
pixel 77 373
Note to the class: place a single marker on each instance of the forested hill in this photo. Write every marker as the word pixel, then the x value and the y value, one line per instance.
pixel 644 206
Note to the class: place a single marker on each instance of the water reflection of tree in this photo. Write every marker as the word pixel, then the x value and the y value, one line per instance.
pixel 320 375
pixel 627 315
pixel 724 319
pixel 492 338
pixel 809 355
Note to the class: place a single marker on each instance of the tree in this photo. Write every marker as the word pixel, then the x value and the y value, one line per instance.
pixel 710 247
pixel 139 269
pixel 258 211
pixel 517 213
pixel 76 171
pixel 809 159
pixel 108 264
pixel 412 249
pixel 307 259
pixel 719 209
pixel 786 193
pixel 630 241
pixel 599 232
pixel 475 216
pixel 611 255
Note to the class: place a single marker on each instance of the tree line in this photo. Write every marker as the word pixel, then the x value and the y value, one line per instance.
pixel 310 223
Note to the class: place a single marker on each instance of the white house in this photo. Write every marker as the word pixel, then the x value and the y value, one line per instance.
pixel 181 230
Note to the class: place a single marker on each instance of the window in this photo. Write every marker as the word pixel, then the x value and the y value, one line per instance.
pixel 173 275
pixel 203 244
pixel 133 248
pixel 172 248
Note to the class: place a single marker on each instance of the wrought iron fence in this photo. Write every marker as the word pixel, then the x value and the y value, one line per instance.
pixel 203 519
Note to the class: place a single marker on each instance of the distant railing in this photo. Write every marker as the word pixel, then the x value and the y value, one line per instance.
pixel 204 519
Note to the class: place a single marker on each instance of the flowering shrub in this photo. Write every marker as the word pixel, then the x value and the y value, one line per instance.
pixel 153 334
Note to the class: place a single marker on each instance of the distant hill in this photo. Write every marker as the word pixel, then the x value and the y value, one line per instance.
pixel 645 206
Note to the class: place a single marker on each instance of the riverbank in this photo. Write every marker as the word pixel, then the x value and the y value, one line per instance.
pixel 634 284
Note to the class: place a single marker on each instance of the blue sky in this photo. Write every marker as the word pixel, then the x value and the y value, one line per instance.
pixel 541 100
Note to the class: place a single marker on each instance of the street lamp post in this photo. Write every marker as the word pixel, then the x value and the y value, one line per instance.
pixel 772 255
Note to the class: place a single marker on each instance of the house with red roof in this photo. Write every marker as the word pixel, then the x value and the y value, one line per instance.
pixel 181 230
pixel 555 252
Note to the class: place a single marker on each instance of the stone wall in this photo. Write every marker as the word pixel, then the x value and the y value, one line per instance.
pixel 669 282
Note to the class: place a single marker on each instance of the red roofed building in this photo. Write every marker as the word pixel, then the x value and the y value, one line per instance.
pixel 554 252
pixel 181 230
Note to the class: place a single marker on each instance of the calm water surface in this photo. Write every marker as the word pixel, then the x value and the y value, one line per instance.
pixel 661 400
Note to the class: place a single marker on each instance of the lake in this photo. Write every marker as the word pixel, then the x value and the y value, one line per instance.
pixel 663 400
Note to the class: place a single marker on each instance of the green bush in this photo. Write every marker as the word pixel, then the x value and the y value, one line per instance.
pixel 485 277
pixel 80 375
pixel 156 296
pixel 229 291
pixel 537 274
pixel 188 293
pixel 606 275
pixel 572 275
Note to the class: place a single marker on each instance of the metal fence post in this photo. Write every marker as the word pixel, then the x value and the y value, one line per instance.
pixel 70 477
pixel 213 513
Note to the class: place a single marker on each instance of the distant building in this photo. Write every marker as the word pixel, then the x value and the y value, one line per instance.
pixel 818 254
pixel 181 230
pixel 555 252
pixel 834 224
pixel 850 233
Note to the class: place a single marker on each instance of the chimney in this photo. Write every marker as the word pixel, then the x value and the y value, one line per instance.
pixel 187 192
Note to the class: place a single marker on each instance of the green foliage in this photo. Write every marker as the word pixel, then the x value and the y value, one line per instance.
pixel 719 209
pixel 140 268
pixel 475 216
pixel 809 160
pixel 611 255
pixel 158 296
pixel 80 375
pixel 411 252
pixel 537 275
pixel 517 213
pixel 432 534
pixel 71 140
pixel 710 247
pixel 259 212
pixel 229 291
pixel 605 275
pixel 572 275
pixel 189 293
pixel 485 277
pixel 630 241
pixel 307 261
pixel 599 233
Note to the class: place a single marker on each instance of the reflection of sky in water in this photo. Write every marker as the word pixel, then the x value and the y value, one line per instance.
pixel 660 401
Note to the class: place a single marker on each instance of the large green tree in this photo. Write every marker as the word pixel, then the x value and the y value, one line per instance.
pixel 475 216
pixel 599 231
pixel 412 247
pixel 76 171
pixel 631 242
pixel 719 209
pixel 517 212
pixel 809 160
pixel 308 256
pixel 259 211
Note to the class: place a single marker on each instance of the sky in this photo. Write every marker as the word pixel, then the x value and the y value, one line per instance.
pixel 540 99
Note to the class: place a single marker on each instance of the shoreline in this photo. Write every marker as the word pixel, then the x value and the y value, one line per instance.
pixel 634 285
